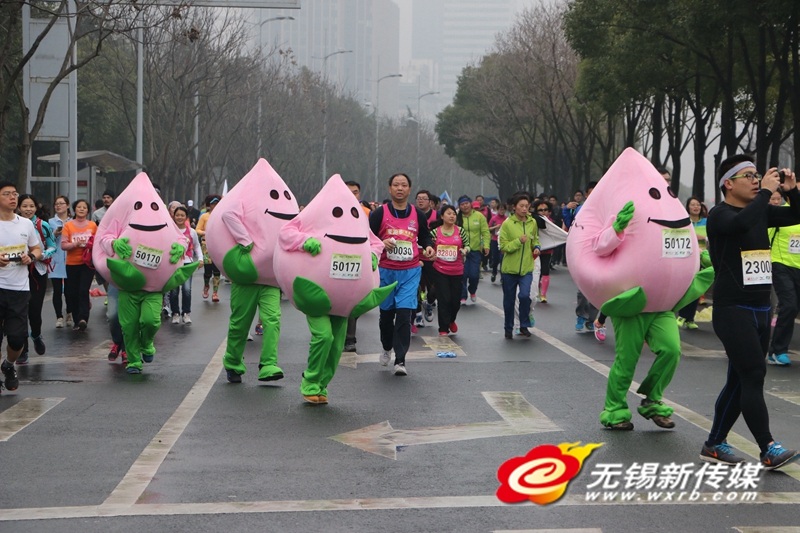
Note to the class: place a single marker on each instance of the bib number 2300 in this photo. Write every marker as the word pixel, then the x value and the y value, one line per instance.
pixel 756 267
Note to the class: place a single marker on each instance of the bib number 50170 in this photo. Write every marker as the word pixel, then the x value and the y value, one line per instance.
pixel 756 267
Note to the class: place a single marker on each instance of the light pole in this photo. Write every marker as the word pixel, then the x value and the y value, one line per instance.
pixel 325 113
pixel 377 126
pixel 419 125
pixel 261 74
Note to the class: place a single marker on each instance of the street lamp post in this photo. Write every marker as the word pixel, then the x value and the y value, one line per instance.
pixel 419 125
pixel 261 74
pixel 325 113
pixel 377 126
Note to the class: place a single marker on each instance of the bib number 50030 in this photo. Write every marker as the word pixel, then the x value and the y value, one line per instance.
pixel 401 251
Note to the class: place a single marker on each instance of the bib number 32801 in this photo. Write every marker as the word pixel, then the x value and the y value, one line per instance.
pixel 756 267
pixel 676 243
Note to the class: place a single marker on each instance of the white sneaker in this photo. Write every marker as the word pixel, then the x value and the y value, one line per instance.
pixel 187 319
pixel 386 356
pixel 419 321
pixel 69 322
pixel 60 323
pixel 176 319
pixel 400 370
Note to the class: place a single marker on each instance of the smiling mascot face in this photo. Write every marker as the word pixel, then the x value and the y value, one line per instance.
pixel 343 268
pixel 139 214
pixel 267 204
pixel 647 256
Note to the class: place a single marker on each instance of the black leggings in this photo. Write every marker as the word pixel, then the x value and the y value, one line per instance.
pixel 395 326
pixel 449 299
pixel 79 281
pixel 544 261
pixel 38 285
pixel 58 291
pixel 744 332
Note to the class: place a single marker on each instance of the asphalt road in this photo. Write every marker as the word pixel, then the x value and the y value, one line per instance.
pixel 179 449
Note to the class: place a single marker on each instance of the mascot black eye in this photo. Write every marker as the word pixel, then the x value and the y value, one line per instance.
pixel 655 193
pixel 337 212
pixel 274 194
pixel 287 195
pixel 354 212
pixel 154 206
pixel 137 205
pixel 671 192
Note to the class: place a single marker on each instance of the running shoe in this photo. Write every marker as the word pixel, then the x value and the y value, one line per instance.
pixel 350 347
pixel 443 334
pixel 473 298
pixel 68 321
pixel 525 333
pixel 147 358
pixel 10 374
pixel 622 426
pixel 322 399
pixel 214 297
pixel 543 299
pixel 701 300
pixel 508 335
pixel 428 312
pixel 133 370
pixel 580 323
pixel 599 331
pixel 691 325
pixel 463 301
pixel 385 357
pixel 419 321
pixel 233 376
pixel 23 358
pixel 113 353
pixel 453 327
pixel 588 325
pixel 176 319
pixel 721 453
pixel 681 321
pixel 775 457
pixel 187 319
pixel 414 328
pixel 400 370
pixel 516 331
pixel 259 329
pixel 106 301
pixel 82 325
pixel 309 398
pixel 59 323
pixel 205 292
pixel 494 277
pixel 780 359
pixel 38 345
pixel 659 420
pixel 124 357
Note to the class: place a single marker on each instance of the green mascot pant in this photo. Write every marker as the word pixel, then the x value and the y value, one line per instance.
pixel 327 341
pixel 244 300
pixel 660 330
pixel 140 318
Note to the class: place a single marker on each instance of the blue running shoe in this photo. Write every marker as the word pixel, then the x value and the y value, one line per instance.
pixel 147 358
pixel 23 358
pixel 233 376
pixel 780 359
pixel 777 456
pixel 580 323
pixel 721 453
pixel 133 370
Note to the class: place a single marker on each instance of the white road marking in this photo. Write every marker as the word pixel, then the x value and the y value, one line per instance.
pixel 791 397
pixel 99 352
pixel 147 464
pixel 766 529
pixel 582 530
pixel 519 418
pixel 734 439
pixel 23 414
pixel 693 351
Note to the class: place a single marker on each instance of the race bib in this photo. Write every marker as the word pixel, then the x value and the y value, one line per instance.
pixel 147 257
pixel 794 244
pixel 81 238
pixel 344 266
pixel 756 267
pixel 13 251
pixel 402 251
pixel 676 243
pixel 447 252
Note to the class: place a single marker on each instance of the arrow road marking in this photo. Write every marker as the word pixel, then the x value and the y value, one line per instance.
pixel 23 414
pixel 435 344
pixel 519 418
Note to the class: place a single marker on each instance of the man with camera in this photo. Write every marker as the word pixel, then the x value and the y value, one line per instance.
pixel 739 248
pixel 19 247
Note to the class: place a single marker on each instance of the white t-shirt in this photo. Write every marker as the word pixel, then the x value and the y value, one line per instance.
pixel 16 239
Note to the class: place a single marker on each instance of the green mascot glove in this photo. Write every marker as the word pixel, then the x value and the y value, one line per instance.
pixel 176 253
pixel 239 266
pixel 122 248
pixel 624 217
pixel 705 259
pixel 312 246
pixel 374 262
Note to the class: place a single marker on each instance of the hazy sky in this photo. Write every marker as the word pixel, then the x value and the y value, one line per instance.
pixel 405 25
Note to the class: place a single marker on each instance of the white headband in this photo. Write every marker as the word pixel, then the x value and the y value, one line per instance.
pixel 732 172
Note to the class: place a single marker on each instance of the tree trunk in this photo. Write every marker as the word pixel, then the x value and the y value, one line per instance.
pixel 658 129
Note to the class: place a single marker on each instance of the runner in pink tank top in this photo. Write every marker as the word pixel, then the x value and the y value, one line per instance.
pixel 452 244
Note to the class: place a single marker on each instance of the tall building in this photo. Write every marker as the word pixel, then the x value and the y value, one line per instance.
pixel 370 29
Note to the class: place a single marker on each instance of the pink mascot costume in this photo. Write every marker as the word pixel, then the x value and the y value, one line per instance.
pixel 633 253
pixel 326 263
pixel 139 249
pixel 241 236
